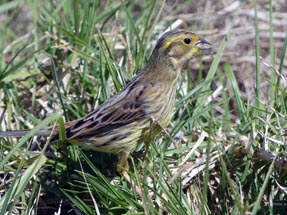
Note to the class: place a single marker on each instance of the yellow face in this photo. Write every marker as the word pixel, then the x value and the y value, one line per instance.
pixel 180 46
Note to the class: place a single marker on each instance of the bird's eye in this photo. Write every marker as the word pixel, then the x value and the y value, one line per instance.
pixel 187 40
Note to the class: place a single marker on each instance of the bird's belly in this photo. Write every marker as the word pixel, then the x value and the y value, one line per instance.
pixel 116 140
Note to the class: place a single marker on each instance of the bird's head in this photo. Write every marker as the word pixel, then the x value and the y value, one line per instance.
pixel 177 47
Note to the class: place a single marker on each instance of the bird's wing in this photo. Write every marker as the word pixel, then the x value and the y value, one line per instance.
pixel 124 108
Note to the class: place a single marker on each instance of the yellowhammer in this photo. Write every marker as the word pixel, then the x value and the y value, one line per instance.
pixel 123 121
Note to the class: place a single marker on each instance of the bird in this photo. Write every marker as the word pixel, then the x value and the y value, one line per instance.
pixel 124 120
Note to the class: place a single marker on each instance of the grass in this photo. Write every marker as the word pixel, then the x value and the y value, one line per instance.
pixel 223 154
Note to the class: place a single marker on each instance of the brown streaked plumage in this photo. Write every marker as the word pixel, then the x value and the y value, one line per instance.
pixel 123 121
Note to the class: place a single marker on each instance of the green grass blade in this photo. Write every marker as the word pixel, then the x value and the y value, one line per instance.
pixel 233 83
pixel 257 204
pixel 25 138
pixel 257 61
pixel 272 52
pixel 21 183
pixel 211 73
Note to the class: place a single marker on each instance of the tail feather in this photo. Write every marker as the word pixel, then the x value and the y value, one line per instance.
pixel 48 131
pixel 21 133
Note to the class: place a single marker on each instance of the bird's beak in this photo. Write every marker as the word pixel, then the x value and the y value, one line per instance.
pixel 202 44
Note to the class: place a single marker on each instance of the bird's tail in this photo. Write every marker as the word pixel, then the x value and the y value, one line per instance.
pixel 48 131
pixel 20 133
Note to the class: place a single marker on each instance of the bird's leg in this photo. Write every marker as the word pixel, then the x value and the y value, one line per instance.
pixel 123 167
pixel 152 122
pixel 123 164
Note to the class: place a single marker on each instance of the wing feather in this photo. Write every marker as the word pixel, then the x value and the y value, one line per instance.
pixel 110 116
